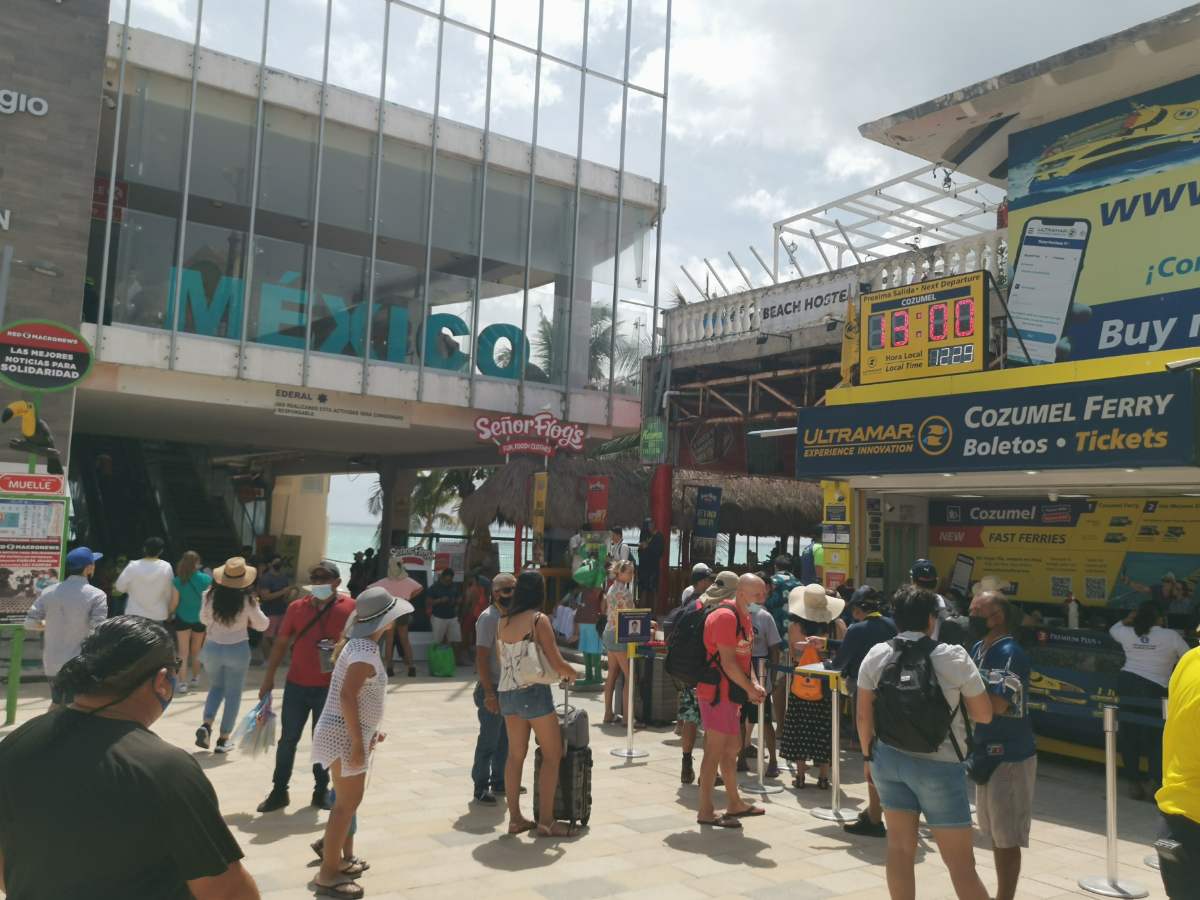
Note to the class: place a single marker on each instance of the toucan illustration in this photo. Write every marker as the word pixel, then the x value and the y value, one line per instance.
pixel 36 437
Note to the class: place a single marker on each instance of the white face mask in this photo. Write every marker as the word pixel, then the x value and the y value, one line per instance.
pixel 322 591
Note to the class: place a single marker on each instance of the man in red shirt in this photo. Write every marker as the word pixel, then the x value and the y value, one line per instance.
pixel 318 615
pixel 728 636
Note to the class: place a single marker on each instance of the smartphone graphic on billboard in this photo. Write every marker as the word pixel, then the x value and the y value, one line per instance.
pixel 1046 274
pixel 960 578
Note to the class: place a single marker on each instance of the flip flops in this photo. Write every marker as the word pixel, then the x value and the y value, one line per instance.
pixel 725 821
pixel 349 889
pixel 749 812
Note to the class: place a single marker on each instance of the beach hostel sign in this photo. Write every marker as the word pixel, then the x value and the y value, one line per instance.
pixel 1139 420
pixel 540 435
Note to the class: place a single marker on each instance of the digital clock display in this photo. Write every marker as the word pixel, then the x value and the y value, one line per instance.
pixel 935 327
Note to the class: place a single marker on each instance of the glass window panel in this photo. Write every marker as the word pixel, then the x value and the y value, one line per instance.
pixel 356 45
pixel 633 343
pixel 591 332
pixel 296 37
pixel 95 261
pixel 548 320
pixel 342 278
pixel 562 31
pixel 602 123
pixel 643 135
pixel 464 75
pixel 558 119
pixel 212 280
pixel 513 77
pixel 472 12
pixel 647 50
pixel 283 232
pixel 150 176
pixel 447 341
pixel 116 10
pixel 606 37
pixel 176 19
pixel 233 27
pixel 637 246
pixel 411 59
pixel 502 345
pixel 517 20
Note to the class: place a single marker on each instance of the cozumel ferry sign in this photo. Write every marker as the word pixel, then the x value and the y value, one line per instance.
pixel 540 435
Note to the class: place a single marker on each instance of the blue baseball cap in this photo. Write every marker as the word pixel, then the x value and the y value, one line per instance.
pixel 80 558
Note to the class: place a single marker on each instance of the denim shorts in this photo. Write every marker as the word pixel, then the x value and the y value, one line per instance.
pixel 531 702
pixel 911 784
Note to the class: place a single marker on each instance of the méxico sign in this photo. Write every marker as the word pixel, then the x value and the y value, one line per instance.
pixel 1140 420
pixel 540 435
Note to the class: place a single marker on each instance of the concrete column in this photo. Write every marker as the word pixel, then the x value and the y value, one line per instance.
pixel 398 484
pixel 580 329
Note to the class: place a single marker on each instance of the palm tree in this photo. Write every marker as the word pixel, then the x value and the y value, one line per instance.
pixel 548 345
pixel 435 500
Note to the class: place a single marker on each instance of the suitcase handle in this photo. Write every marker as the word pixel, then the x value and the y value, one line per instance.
pixel 565 707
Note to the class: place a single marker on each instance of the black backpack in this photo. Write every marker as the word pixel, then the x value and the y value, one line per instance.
pixel 911 712
pixel 688 660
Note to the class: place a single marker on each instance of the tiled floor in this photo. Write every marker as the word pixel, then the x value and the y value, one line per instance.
pixel 425 840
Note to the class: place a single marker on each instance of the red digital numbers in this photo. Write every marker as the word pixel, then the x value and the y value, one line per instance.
pixel 939 325
pixel 900 328
pixel 964 317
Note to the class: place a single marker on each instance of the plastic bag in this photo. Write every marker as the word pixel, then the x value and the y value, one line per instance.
pixel 255 734
pixel 441 661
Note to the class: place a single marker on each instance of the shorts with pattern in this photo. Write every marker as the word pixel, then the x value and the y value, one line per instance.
pixel 689 707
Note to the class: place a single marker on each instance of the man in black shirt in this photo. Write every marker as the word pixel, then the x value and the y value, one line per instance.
pixel 651 546
pixel 94 805
pixel 442 604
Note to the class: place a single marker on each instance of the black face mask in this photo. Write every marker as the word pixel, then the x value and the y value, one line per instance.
pixel 979 627
pixel 276 566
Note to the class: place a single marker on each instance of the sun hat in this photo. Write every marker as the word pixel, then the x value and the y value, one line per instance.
pixel 235 573
pixel 811 602
pixel 723 587
pixel 375 608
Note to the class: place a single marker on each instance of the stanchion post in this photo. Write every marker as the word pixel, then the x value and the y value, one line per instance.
pixel 1111 885
pixel 761 787
pixel 834 812
pixel 14 673
pixel 627 752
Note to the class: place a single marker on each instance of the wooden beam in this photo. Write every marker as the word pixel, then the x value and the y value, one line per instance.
pixel 727 403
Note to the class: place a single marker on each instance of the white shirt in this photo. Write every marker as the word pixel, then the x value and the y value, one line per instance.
pixel 68 611
pixel 218 632
pixel 1153 655
pixel 148 584
pixel 618 551
pixel 688 592
pixel 957 676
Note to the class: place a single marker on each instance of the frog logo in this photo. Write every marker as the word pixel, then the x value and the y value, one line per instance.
pixel 935 435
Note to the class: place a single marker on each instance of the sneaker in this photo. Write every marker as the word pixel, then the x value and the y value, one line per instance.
pixel 687 774
pixel 865 827
pixel 320 799
pixel 223 746
pixel 203 733
pixel 195 682
pixel 277 799
pixel 181 687
pixel 499 789
pixel 487 797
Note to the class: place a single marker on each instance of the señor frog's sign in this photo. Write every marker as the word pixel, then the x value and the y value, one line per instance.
pixel 541 435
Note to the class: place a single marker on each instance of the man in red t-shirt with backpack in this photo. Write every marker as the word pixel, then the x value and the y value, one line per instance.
pixel 728 638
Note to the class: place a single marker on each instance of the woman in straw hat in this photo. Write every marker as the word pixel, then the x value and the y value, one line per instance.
pixel 812 614
pixel 348 730
pixel 226 612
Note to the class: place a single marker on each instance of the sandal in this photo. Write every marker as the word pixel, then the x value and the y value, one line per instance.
pixel 347 888
pixel 558 829
pixel 521 827
pixel 822 784
pixel 773 771
pixel 798 783
pixel 749 812
pixel 318 847
pixel 725 821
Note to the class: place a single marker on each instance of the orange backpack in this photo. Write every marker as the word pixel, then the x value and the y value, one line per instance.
pixel 808 687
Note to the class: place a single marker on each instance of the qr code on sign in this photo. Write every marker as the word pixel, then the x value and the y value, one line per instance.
pixel 1060 586
pixel 1096 588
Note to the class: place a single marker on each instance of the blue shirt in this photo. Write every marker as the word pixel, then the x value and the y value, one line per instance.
pixel 1005 670
pixel 777 603
pixel 68 612
pixel 861 637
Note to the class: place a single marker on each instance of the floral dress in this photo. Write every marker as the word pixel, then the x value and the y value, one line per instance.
pixel 619 596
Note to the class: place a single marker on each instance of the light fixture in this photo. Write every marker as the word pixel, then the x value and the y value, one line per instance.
pixel 1074 496
pixel 874 477
pixel 947 474
pixel 969 496
pixel 1177 364
pixel 1131 470
pixel 45 267
pixel 1186 494
pixel 1032 472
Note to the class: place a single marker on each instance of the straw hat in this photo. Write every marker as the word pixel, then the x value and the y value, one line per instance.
pixel 811 602
pixel 235 573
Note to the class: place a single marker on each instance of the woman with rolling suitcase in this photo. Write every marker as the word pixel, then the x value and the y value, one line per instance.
pixel 529 664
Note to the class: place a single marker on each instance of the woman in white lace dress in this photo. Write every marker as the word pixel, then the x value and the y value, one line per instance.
pixel 348 731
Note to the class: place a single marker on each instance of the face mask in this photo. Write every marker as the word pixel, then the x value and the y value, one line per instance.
pixel 979 627
pixel 165 703
pixel 276 566
pixel 322 591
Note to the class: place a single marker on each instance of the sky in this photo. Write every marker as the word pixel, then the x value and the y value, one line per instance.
pixel 765 96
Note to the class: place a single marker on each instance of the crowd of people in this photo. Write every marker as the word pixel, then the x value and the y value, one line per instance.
pixel 937 699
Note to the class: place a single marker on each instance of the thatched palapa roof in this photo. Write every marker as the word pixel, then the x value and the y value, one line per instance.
pixel 750 504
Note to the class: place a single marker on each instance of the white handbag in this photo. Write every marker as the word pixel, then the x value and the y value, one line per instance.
pixel 531 665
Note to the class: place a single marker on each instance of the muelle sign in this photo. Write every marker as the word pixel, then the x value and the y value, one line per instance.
pixel 541 435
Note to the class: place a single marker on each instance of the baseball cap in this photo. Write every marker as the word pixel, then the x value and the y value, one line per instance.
pixel 81 558
pixel 923 570
pixel 723 587
pixel 326 565
pixel 700 571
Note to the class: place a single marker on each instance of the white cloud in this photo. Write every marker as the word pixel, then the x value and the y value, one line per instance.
pixel 770 205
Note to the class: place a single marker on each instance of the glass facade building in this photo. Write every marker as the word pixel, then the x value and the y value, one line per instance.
pixel 463 189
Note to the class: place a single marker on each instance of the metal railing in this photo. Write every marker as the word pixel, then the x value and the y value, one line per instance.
pixel 735 316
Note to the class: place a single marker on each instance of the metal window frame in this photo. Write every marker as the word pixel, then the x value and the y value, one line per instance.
pixel 575 225
pixel 662 175
pixel 368 326
pixel 259 125
pixel 310 283
pixel 612 345
pixel 181 237
pixel 483 187
pixel 112 184
pixel 533 156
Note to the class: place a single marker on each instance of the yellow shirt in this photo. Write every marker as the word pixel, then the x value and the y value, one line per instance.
pixel 1180 793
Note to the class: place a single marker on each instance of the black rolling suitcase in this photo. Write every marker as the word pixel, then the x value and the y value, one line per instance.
pixel 573 798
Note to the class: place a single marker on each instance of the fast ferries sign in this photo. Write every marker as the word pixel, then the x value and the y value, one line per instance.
pixel 540 435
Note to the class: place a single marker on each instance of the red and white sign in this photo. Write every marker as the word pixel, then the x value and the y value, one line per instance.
pixel 31 484
pixel 541 435
pixel 597 502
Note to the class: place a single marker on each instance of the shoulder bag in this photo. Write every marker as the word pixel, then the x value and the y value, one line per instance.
pixel 531 666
